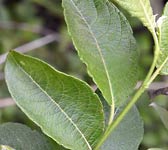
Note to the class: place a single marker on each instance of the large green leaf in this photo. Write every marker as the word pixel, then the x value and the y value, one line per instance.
pixel 141 9
pixel 64 107
pixel 21 137
pixel 104 41
pixel 163 113
pixel 163 40
pixel 128 135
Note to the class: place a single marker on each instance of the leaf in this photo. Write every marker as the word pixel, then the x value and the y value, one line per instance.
pixel 21 137
pixel 156 149
pixel 64 107
pixel 163 41
pixel 54 145
pixel 128 134
pixel 5 147
pixel 106 107
pixel 104 41
pixel 140 9
pixel 163 113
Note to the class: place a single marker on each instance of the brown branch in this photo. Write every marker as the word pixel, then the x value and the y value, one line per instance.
pixel 25 27
pixel 6 102
pixel 33 45
pixel 154 85
pixel 2 76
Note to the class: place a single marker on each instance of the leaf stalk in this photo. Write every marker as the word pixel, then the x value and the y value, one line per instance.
pixel 148 80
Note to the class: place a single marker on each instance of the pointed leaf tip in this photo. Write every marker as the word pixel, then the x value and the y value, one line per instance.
pixel 64 107
pixel 103 39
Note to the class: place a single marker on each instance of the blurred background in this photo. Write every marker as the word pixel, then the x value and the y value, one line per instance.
pixel 24 21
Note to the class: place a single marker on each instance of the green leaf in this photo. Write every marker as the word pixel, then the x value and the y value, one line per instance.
pixel 140 9
pixel 56 146
pixel 156 149
pixel 104 41
pixel 64 107
pixel 163 113
pixel 163 41
pixel 5 147
pixel 21 137
pixel 106 107
pixel 128 135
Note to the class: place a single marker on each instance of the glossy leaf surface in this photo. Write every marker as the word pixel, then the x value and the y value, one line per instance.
pixel 64 107
pixel 140 9
pixel 104 41
pixel 128 135
pixel 21 137
pixel 163 113
pixel 163 40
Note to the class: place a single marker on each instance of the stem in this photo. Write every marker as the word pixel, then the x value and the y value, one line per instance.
pixel 149 78
pixel 111 114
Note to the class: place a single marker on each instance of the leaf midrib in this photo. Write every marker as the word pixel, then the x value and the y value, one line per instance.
pixel 99 50
pixel 147 17
pixel 66 115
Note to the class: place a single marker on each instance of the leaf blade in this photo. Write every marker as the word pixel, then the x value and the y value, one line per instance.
pixel 128 135
pixel 140 9
pixel 101 40
pixel 20 137
pixel 54 92
pixel 163 38
pixel 5 147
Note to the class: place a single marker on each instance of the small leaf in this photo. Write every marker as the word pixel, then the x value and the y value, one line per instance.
pixel 163 41
pixel 128 135
pixel 104 41
pixel 64 107
pixel 21 137
pixel 140 9
pixel 163 113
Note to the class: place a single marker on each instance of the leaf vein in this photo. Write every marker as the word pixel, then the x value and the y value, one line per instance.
pixel 66 115
pixel 98 47
pixel 147 17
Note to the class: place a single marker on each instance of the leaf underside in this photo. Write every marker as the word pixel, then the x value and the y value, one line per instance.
pixel 64 107
pixel 21 137
pixel 104 41
pixel 140 9
pixel 128 134
pixel 163 41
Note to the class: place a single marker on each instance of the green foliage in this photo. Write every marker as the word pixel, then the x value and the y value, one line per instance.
pixel 128 135
pixel 141 9
pixel 64 107
pixel 163 38
pixel 130 128
pixel 21 137
pixel 4 147
pixel 103 28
